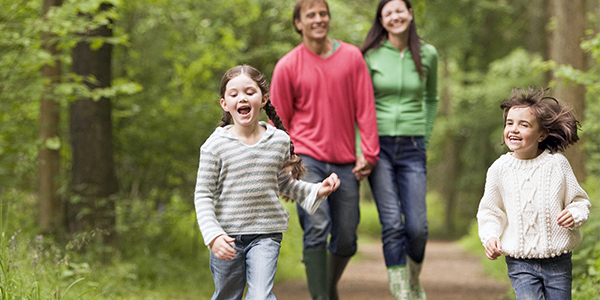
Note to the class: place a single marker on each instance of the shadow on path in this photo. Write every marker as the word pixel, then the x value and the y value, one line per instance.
pixel 449 273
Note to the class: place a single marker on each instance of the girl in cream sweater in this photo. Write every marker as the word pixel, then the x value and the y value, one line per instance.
pixel 533 206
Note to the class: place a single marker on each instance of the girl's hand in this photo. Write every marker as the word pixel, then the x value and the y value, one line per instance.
pixel 565 219
pixel 221 248
pixel 493 248
pixel 330 184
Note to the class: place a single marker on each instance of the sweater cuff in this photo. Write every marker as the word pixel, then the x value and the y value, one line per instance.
pixel 312 202
pixel 578 219
pixel 372 159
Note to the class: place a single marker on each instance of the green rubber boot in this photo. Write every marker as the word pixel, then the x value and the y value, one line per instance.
pixel 315 262
pixel 399 285
pixel 416 289
pixel 337 265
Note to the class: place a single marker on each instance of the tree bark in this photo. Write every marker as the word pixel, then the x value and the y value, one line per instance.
pixel 51 210
pixel 93 175
pixel 565 50
pixel 450 166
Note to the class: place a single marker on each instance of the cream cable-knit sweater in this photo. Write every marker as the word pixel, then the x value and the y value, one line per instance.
pixel 521 202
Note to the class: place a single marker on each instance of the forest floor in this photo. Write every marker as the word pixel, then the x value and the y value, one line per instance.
pixel 449 273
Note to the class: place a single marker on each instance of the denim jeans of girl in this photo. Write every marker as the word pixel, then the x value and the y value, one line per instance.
pixel 543 278
pixel 255 264
pixel 338 215
pixel 399 186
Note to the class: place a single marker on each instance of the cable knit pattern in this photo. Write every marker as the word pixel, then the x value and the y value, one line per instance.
pixel 521 202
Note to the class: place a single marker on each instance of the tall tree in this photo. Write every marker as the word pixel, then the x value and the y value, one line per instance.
pixel 93 175
pixel 565 50
pixel 51 210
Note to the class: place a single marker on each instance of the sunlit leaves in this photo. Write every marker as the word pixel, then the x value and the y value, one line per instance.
pixel 52 143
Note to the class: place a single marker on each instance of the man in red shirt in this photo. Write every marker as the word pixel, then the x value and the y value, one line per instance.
pixel 322 91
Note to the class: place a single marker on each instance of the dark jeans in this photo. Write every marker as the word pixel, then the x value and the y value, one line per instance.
pixel 338 215
pixel 399 187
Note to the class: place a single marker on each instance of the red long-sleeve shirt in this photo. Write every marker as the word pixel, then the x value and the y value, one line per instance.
pixel 321 100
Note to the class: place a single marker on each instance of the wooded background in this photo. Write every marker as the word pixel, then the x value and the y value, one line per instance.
pixel 104 104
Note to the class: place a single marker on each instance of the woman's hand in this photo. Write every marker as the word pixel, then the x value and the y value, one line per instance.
pixel 363 168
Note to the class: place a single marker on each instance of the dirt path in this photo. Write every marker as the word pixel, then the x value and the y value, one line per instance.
pixel 449 273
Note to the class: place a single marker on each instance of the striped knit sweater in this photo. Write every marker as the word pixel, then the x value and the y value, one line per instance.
pixel 521 202
pixel 238 185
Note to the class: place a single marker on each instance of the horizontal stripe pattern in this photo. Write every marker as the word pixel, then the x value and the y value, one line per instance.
pixel 238 186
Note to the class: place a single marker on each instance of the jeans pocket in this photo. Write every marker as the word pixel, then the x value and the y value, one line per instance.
pixel 277 237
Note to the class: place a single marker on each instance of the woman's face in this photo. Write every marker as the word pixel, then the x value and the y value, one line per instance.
pixel 396 18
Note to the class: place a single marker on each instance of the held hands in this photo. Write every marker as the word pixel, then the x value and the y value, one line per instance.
pixel 493 248
pixel 221 248
pixel 565 219
pixel 330 184
pixel 363 168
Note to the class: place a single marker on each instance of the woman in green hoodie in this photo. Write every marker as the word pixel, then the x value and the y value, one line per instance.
pixel 403 70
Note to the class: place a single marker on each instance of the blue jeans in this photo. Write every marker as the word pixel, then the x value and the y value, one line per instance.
pixel 399 186
pixel 541 278
pixel 338 215
pixel 255 263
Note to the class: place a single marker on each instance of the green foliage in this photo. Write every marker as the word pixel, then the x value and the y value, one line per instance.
pixel 22 56
pixel 32 267
pixel 586 257
pixel 591 80
pixel 20 90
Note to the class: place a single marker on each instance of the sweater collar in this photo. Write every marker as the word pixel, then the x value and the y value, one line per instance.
pixel 224 132
pixel 389 45
pixel 527 163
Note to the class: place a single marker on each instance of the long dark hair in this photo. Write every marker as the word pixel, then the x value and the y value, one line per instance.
pixel 555 118
pixel 377 34
pixel 294 164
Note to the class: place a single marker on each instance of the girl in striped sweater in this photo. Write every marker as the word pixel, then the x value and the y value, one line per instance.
pixel 243 169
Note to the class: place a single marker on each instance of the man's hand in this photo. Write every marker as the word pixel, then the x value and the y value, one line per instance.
pixel 363 168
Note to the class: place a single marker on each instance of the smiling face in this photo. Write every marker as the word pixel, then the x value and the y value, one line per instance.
pixel 314 21
pixel 396 17
pixel 243 100
pixel 522 133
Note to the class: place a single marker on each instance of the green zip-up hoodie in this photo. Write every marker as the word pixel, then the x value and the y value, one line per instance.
pixel 406 105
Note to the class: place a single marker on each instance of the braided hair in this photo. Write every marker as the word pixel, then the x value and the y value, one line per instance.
pixel 294 163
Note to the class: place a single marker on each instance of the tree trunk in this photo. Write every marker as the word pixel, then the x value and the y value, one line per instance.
pixel 450 166
pixel 565 50
pixel 51 209
pixel 93 175
pixel 536 40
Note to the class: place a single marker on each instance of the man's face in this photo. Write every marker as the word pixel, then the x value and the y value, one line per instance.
pixel 314 21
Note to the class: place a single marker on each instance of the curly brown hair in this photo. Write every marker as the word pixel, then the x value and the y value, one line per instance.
pixel 294 164
pixel 556 119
